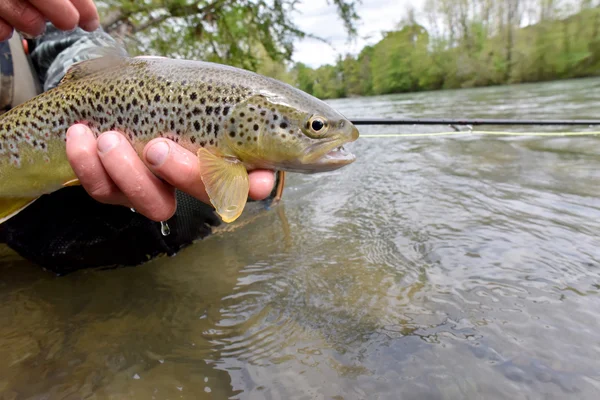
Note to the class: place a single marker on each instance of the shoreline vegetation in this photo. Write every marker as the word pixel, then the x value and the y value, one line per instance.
pixel 448 44
pixel 411 60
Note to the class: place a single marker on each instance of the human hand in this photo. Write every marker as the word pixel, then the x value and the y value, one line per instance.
pixel 30 16
pixel 111 172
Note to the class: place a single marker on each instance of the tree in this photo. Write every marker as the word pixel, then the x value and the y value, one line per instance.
pixel 216 30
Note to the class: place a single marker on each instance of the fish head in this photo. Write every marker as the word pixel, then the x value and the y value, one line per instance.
pixel 290 131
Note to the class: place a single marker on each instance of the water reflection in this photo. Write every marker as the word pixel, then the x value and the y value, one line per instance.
pixel 438 268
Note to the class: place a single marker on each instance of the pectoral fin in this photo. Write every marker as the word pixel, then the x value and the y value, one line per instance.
pixel 226 184
pixel 11 206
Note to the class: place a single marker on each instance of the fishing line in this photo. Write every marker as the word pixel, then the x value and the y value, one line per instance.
pixel 472 132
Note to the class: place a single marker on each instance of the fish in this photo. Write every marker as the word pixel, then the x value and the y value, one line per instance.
pixel 233 119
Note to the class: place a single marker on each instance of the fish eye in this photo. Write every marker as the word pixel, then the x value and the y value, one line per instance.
pixel 317 126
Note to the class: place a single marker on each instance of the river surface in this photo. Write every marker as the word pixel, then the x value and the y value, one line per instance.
pixel 453 267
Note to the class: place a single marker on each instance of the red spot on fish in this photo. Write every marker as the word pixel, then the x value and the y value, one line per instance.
pixel 27 137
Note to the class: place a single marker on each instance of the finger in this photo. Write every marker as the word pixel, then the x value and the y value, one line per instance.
pixel 177 166
pixel 61 13
pixel 261 184
pixel 148 194
pixel 181 169
pixel 22 16
pixel 84 159
pixel 89 19
pixel 6 31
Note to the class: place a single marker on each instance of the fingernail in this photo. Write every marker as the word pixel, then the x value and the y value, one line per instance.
pixel 157 153
pixel 91 26
pixel 107 142
pixel 76 131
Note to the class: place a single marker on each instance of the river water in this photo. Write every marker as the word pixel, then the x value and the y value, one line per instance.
pixel 458 267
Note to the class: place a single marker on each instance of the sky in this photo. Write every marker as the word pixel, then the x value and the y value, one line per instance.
pixel 319 18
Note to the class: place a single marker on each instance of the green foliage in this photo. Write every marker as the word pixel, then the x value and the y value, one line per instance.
pixel 483 44
pixel 241 33
pixel 467 43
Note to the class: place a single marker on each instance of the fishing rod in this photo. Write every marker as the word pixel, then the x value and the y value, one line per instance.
pixel 472 122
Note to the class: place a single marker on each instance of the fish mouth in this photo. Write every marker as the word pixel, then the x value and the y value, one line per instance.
pixel 338 155
pixel 327 157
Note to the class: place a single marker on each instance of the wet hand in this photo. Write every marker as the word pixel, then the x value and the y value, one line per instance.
pixel 111 172
pixel 30 16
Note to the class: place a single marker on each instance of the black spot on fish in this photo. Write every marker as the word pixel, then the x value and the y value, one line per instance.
pixel 253 109
pixel 232 120
pixel 188 115
pixel 120 120
pixel 242 114
pixel 239 143
pixel 61 120
pixel 181 121
pixel 134 102
pixel 141 83
pixel 255 127
pixel 112 87
pixel 157 98
pixel 283 125
pixel 211 141
pixel 197 126
pixel 113 100
pixel 97 94
pixel 153 113
pixel 165 111
pixel 209 110
pixel 196 111
pixel 202 101
pixel 136 119
pixel 241 133
pixel 225 110
pixel 172 125
pixel 28 113
pixel 216 130
pixel 193 139
pixel 238 99
pixel 275 117
pixel 193 96
pixel 217 110
pixel 209 88
pixel 43 145
pixel 232 134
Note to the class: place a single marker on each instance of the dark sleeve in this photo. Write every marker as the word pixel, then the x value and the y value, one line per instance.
pixel 56 51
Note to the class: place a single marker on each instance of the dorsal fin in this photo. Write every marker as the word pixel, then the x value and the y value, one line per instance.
pixel 87 68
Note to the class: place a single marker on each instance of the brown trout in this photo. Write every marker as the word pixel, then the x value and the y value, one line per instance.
pixel 234 120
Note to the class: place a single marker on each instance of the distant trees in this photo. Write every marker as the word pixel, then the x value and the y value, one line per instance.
pixel 469 43
pixel 448 44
